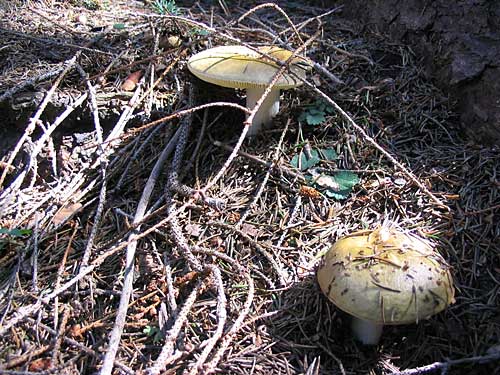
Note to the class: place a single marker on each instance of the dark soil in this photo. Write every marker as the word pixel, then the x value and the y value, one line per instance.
pixel 458 43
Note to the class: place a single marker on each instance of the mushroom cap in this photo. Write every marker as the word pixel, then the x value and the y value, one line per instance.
pixel 386 276
pixel 241 67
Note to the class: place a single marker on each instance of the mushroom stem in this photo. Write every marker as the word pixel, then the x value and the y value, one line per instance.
pixel 269 108
pixel 365 331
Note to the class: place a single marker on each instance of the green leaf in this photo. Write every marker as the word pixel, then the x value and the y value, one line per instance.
pixel 329 154
pixel 201 32
pixel 338 186
pixel 315 113
pixel 154 332
pixel 339 195
pixel 329 109
pixel 166 7
pixel 295 161
pixel 20 232
pixel 302 161
pixel 346 180
pixel 315 119
pixel 15 232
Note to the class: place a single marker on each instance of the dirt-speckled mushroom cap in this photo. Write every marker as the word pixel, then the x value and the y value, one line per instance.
pixel 386 276
pixel 241 67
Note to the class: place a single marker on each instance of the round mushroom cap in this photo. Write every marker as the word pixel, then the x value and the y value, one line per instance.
pixel 241 67
pixel 386 276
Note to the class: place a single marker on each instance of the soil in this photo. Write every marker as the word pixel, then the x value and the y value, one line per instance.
pixel 459 46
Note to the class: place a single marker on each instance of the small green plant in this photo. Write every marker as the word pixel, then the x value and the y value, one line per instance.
pixel 166 7
pixel 315 113
pixel 197 31
pixel 12 236
pixel 337 185
pixel 155 333
pixel 119 26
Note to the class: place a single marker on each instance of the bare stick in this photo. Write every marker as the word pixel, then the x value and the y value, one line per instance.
pixel 181 113
pixel 60 334
pixel 49 41
pixel 275 6
pixel 237 325
pixel 168 348
pixel 142 144
pixel 274 168
pixel 32 82
pixel 44 138
pixel 445 365
pixel 34 120
pixel 365 136
pixel 103 163
pixel 121 314
pixel 60 272
pixel 263 184
pixel 282 274
pixel 80 346
pixel 221 320
pixel 34 257
pixel 125 116
pixel 293 215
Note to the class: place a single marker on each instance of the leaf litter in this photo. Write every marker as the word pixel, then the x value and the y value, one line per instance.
pixel 225 278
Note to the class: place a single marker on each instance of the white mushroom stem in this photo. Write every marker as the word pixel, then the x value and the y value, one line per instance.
pixel 269 108
pixel 365 331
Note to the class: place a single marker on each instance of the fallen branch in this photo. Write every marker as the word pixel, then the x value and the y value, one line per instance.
pixel 444 366
pixel 115 336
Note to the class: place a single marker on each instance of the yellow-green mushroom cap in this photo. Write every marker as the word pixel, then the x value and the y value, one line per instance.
pixel 241 67
pixel 244 68
pixel 386 276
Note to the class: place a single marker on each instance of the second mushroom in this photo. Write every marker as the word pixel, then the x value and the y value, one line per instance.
pixel 385 276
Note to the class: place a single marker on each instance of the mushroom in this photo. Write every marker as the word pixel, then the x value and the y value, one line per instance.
pixel 384 277
pixel 243 68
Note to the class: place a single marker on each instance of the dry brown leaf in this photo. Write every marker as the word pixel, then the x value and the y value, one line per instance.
pixel 65 212
pixel 310 192
pixel 40 364
pixel 233 217
pixel 250 230
pixel 187 278
pixel 76 331
pixel 193 229
pixel 174 41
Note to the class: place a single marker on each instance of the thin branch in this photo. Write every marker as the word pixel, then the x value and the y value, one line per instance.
pixel 34 120
pixel 365 136
pixel 446 365
pixel 274 6
pixel 263 184
pixel 168 348
pixel 121 314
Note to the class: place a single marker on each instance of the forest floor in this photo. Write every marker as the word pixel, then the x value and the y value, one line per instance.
pixel 141 232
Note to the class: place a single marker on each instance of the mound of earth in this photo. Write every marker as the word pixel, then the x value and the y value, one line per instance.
pixel 460 47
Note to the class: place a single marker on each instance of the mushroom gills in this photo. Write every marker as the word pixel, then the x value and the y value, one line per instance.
pixel 269 108
pixel 365 331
